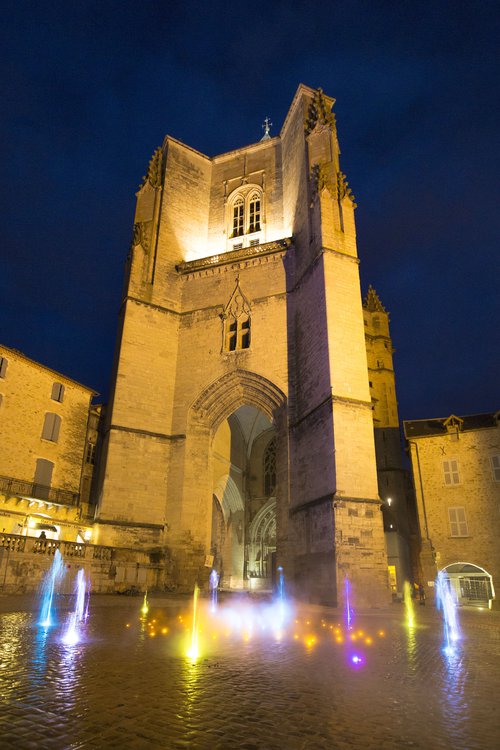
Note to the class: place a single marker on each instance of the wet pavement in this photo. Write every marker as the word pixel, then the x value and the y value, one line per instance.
pixel 129 684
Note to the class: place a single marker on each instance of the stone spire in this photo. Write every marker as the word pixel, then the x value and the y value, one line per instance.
pixel 372 301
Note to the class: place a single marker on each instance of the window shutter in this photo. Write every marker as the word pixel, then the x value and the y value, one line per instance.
pixel 458 522
pixel 43 472
pixel 51 427
pixel 462 522
pixel 451 475
pixel 57 392
pixel 495 467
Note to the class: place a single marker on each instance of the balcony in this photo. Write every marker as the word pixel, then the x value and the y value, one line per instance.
pixel 33 491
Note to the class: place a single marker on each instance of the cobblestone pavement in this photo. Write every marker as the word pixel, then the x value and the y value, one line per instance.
pixel 128 683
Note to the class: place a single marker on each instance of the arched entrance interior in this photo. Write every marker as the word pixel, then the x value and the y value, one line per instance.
pixel 473 585
pixel 243 537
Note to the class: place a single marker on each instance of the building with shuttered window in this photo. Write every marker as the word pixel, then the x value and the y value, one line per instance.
pixel 44 431
pixel 456 470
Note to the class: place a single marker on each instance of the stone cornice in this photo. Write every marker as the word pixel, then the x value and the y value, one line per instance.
pixel 332 399
pixel 311 503
pixel 234 256
pixel 130 525
pixel 145 433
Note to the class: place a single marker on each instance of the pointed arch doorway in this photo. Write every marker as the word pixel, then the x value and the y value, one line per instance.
pixel 243 529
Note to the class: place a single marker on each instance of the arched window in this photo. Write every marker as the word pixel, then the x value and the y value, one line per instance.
pixel 236 318
pixel 254 213
pixel 270 468
pixel 238 217
pixel 245 216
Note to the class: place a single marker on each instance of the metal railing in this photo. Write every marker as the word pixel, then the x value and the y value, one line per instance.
pixel 35 491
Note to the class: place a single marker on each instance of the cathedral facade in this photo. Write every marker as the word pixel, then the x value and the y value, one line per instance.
pixel 239 431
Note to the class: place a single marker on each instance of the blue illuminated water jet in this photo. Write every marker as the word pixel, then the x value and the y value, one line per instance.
pixel 446 600
pixel 213 582
pixel 52 578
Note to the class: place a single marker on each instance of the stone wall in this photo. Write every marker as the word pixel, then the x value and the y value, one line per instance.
pixel 477 493
pixel 26 397
pixel 24 561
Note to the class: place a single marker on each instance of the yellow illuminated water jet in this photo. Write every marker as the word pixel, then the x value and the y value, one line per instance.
pixel 193 649
pixel 145 605
pixel 408 600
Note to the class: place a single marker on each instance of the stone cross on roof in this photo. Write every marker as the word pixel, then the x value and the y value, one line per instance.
pixel 266 126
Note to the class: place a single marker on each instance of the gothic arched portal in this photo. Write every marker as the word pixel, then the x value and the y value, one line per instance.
pixel 243 547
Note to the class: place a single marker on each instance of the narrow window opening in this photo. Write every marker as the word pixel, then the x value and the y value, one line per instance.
pixel 90 454
pixel 254 215
pixel 238 217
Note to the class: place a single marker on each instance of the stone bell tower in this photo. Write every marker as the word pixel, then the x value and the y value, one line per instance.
pixel 240 424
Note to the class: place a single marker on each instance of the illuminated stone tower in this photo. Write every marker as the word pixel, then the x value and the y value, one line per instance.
pixel 240 424
pixel 393 479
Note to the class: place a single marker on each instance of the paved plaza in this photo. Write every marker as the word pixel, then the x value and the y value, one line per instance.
pixel 129 684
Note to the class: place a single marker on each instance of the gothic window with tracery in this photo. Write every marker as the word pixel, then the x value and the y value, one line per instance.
pixel 238 217
pixel 254 213
pixel 236 317
pixel 245 210
pixel 270 468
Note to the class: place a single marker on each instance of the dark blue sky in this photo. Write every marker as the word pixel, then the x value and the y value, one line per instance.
pixel 89 90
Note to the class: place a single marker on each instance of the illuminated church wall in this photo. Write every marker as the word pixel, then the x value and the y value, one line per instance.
pixel 181 369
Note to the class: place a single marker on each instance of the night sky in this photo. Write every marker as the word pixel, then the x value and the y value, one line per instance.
pixel 89 89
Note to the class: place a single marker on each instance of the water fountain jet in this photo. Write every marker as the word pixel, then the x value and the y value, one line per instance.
pixel 408 602
pixel 53 576
pixel 446 600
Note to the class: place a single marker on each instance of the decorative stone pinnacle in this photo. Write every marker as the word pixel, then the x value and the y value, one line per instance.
pixel 343 189
pixel 321 178
pixel 319 112
pixel 372 301
pixel 153 175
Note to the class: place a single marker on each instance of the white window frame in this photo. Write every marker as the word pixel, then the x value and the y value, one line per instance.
pixel 451 472
pixel 457 521
pixel 495 467
pixel 246 196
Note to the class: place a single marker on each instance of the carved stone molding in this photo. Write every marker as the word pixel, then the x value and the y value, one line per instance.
pixel 234 256
pixel 153 175
pixel 319 113
pixel 222 397
pixel 343 189
pixel 141 235
pixel 238 304
pixel 321 180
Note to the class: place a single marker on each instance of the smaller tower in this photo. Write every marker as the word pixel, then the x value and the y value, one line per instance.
pixel 393 479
